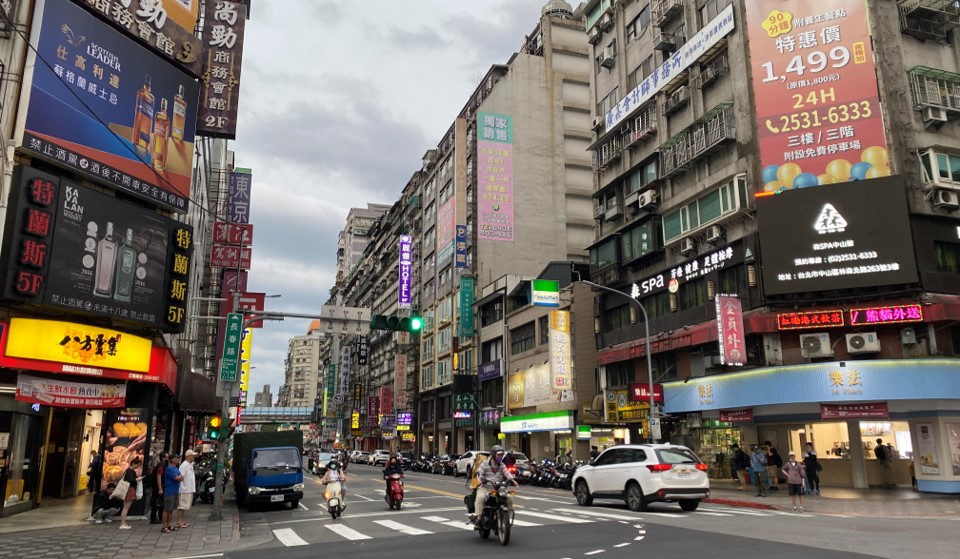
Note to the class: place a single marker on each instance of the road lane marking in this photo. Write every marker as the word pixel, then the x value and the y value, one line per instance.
pixel 524 497
pixel 359 496
pixel 623 544
pixel 524 523
pixel 594 552
pixel 402 528
pixel 599 513
pixel 713 513
pixel 345 532
pixel 288 537
pixel 448 522
pixel 667 514
pixel 554 517
pixel 303 507
pixel 736 511
pixel 321 517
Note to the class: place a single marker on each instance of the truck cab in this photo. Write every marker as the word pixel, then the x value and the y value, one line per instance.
pixel 267 473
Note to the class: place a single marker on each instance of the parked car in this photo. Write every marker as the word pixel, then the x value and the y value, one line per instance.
pixel 406 460
pixel 378 457
pixel 320 461
pixel 465 462
pixel 448 467
pixel 644 473
pixel 361 457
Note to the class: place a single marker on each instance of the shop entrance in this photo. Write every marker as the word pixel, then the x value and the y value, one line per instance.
pixel 62 452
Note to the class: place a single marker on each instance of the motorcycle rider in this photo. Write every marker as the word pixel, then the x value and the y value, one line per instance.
pixel 490 472
pixel 392 467
pixel 334 473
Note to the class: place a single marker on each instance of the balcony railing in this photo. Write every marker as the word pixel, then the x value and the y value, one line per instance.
pixel 634 131
pixel 935 88
pixel 663 10
pixel 698 140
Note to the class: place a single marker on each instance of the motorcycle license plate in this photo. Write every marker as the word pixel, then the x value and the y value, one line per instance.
pixel 211 489
pixel 276 498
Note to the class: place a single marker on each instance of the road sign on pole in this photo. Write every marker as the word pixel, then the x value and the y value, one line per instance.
pixel 231 347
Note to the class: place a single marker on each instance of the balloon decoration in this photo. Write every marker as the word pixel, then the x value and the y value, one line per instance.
pixel 874 163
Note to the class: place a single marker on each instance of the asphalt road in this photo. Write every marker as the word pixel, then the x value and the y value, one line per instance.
pixel 550 525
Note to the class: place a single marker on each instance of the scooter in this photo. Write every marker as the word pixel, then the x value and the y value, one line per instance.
pixel 394 495
pixel 208 486
pixel 334 496
pixel 496 515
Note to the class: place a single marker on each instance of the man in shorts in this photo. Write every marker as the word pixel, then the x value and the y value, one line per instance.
pixel 171 489
pixel 796 473
pixel 188 486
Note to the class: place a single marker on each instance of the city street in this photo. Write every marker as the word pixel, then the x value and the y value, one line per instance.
pixel 549 524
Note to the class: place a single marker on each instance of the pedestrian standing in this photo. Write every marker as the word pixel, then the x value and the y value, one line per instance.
pixel 796 473
pixel 741 466
pixel 758 467
pixel 774 463
pixel 94 476
pixel 886 464
pixel 594 452
pixel 188 486
pixel 171 490
pixel 156 484
pixel 813 470
pixel 133 478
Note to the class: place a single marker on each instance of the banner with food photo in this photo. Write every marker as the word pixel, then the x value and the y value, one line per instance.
pixel 125 439
pixel 66 394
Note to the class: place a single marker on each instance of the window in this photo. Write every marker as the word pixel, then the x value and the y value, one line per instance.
pixel 604 254
pixel 492 350
pixel 733 280
pixel 426 376
pixel 948 257
pixel 948 167
pixel 636 27
pixel 657 305
pixel 543 324
pixel 616 318
pixel 427 349
pixel 444 309
pixel 619 375
pixel 693 294
pixel 642 176
pixel 443 372
pixel 521 338
pixel 444 340
pixel 491 313
pixel 702 211
pixel 638 242
pixel 608 102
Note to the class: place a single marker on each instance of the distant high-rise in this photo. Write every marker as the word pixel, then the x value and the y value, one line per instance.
pixel 264 398
pixel 302 366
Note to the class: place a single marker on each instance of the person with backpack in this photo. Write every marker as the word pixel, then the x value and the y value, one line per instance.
pixel 886 464
pixel 774 463
pixel 741 466
pixel 155 483
pixel 813 470
pixel 796 473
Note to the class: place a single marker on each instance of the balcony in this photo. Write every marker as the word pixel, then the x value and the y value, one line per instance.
pixel 711 72
pixel 664 10
pixel 678 99
pixel 608 153
pixel 700 139
pixel 935 88
pixel 640 128
pixel 928 19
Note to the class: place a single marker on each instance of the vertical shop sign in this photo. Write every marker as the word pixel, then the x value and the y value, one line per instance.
pixel 815 83
pixel 238 200
pixel 30 225
pixel 223 29
pixel 404 292
pixel 246 345
pixel 460 247
pixel 495 176
pixel 466 307
pixel 181 253
pixel 386 400
pixel 927 450
pixel 400 381
pixel 733 344
pixel 358 395
pixel 373 411
pixel 561 362
pixel 231 347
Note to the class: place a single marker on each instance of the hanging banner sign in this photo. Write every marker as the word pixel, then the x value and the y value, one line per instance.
pixel 65 394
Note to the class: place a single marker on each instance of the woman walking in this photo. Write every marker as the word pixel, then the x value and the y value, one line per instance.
pixel 133 478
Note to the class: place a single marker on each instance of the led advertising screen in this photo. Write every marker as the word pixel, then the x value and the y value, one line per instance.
pixel 832 237
pixel 97 102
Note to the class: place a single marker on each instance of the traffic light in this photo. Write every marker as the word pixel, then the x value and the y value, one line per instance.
pixel 213 427
pixel 412 324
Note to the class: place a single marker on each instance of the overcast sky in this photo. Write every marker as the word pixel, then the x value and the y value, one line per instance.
pixel 339 100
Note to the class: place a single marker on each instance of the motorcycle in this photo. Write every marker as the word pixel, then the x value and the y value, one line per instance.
pixel 333 493
pixel 496 516
pixel 208 486
pixel 394 495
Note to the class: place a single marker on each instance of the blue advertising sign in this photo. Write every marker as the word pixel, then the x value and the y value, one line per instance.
pixel 100 104
pixel 490 370
pixel 460 244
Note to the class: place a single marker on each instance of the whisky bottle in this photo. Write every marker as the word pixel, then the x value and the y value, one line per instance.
pixel 126 264
pixel 106 262
pixel 143 119
pixel 179 115
pixel 161 132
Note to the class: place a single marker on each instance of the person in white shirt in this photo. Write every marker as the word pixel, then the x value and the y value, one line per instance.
pixel 188 486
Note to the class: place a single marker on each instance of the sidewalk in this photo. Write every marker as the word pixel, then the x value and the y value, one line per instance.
pixel 887 503
pixel 59 529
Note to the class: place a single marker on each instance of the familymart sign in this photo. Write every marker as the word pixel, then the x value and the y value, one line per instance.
pixel 546 421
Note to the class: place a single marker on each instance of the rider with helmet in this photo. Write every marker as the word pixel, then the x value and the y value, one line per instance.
pixel 392 467
pixel 335 473
pixel 490 472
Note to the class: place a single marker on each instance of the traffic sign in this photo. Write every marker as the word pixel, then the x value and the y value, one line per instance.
pixel 231 347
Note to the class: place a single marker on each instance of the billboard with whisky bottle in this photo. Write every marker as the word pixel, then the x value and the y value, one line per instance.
pixel 99 103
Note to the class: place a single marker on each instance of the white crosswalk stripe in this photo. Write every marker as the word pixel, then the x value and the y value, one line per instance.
pixel 554 517
pixel 402 528
pixel 288 537
pixel 346 532
pixel 738 511
pixel 447 522
pixel 593 512
pixel 713 513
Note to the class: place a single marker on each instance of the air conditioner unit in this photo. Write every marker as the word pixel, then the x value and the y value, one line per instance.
pixel 607 59
pixel 613 211
pixel 647 199
pixel 934 115
pixel 816 345
pixel 714 233
pixel 663 42
pixel 863 342
pixel 593 35
pixel 597 123
pixel 946 199
pixel 606 22
pixel 687 245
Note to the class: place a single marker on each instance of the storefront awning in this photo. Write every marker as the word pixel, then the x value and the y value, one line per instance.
pixel 197 393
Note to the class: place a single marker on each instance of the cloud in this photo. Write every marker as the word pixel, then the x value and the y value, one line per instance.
pixel 493 34
pixel 424 38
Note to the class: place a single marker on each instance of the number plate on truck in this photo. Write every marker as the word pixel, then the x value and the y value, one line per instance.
pixel 276 498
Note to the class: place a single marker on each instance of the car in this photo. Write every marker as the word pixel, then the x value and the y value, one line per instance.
pixel 361 457
pixel 640 474
pixel 319 465
pixel 406 460
pixel 378 457
pixel 448 467
pixel 464 464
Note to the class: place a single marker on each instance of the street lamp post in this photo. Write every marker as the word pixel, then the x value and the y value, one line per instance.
pixel 646 337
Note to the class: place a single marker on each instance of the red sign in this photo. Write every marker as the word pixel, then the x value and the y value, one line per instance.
pixel 233 280
pixel 812 319
pixel 227 233
pixel 640 392
pixel 817 100
pixel 386 400
pixel 868 410
pixel 226 256
pixel 733 343
pixel 886 315
pixel 65 394
pixel 737 416
pixel 373 411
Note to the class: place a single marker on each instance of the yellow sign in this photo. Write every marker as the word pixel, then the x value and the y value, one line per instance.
pixel 621 409
pixel 245 345
pixel 78 344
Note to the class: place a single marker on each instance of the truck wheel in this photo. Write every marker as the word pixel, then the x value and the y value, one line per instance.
pixel 294 504
pixel 241 496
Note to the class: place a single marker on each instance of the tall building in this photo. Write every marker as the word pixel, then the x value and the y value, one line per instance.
pixel 301 369
pixel 263 398
pixel 355 236
pixel 798 159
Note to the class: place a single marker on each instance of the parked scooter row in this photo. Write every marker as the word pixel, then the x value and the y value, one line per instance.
pixel 546 473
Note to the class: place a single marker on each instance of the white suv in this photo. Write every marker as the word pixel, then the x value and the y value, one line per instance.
pixel 378 457
pixel 644 473
pixel 464 464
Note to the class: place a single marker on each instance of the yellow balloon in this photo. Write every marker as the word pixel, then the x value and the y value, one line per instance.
pixel 826 179
pixel 787 172
pixel 772 186
pixel 840 169
pixel 876 172
pixel 876 156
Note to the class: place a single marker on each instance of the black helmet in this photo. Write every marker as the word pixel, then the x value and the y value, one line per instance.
pixel 333 465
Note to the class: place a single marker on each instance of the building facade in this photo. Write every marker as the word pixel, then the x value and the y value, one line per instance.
pixel 302 384
pixel 264 398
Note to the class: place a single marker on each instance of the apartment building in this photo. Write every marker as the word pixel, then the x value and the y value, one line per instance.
pixel 302 369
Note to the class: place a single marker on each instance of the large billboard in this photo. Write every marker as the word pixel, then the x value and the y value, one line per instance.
pixel 100 104
pixel 495 177
pixel 97 255
pixel 815 87
pixel 833 237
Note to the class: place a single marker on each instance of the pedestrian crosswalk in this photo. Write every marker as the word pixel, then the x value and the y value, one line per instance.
pixel 413 522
